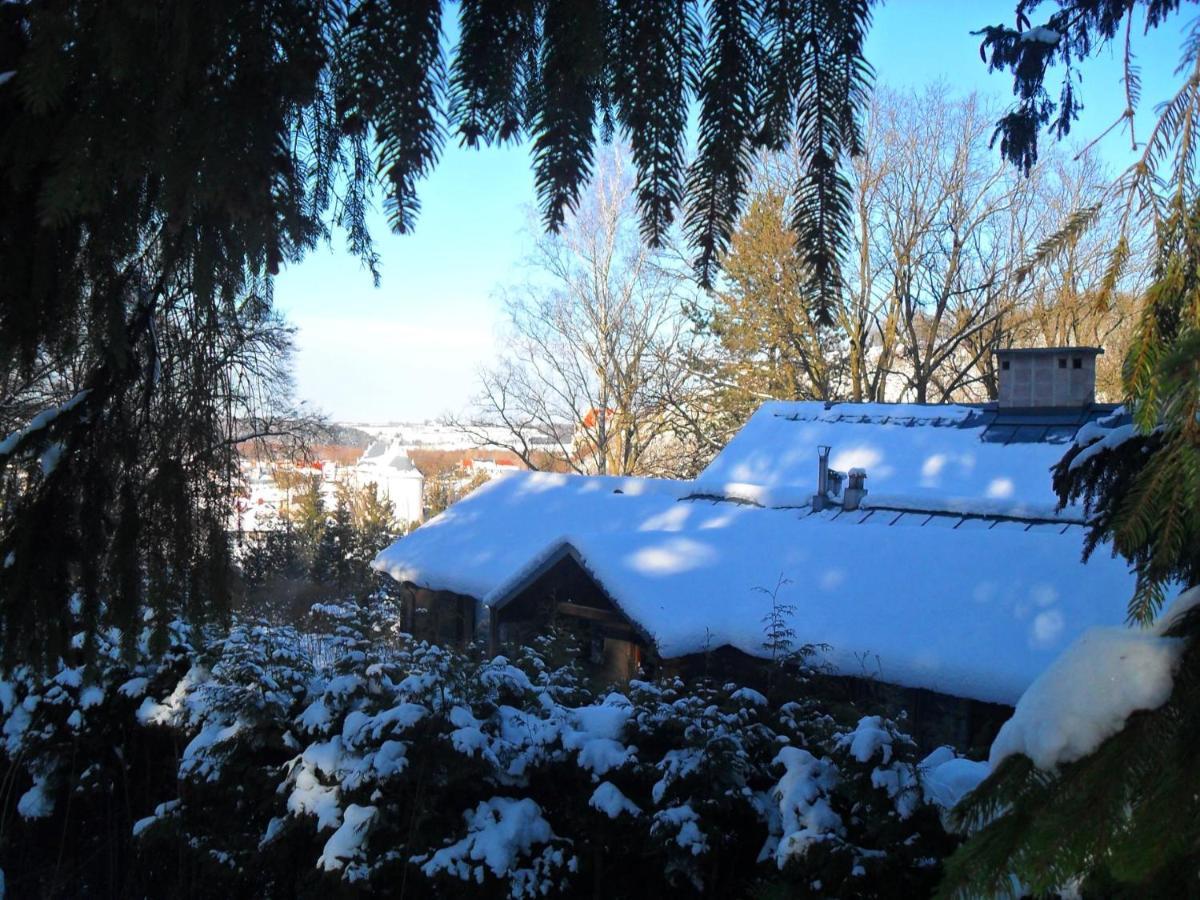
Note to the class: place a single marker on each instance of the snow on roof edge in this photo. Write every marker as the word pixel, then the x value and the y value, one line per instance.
pixel 503 593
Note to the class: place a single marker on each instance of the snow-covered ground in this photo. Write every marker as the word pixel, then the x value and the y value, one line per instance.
pixel 440 436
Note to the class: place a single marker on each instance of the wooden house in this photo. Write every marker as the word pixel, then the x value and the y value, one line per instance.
pixel 921 544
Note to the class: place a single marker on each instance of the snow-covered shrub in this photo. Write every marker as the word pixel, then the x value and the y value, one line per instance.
pixel 79 773
pixel 347 759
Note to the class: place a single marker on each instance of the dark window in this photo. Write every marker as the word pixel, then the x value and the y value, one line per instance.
pixel 1062 362
pixel 1077 363
pixel 1004 365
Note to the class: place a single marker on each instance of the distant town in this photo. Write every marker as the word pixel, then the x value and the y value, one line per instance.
pixel 420 468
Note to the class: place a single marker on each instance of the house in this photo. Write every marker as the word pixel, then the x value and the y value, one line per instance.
pixel 921 543
pixel 268 491
pixel 397 479
pixel 491 465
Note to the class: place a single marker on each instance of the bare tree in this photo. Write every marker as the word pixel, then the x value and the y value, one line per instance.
pixel 946 235
pixel 601 368
pixel 1062 305
pixel 867 315
pixel 947 230
pixel 595 346
pixel 936 277
pixel 939 226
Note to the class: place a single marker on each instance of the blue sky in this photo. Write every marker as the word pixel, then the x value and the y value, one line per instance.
pixel 410 348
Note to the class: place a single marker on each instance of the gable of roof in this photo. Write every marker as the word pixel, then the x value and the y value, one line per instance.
pixel 374 449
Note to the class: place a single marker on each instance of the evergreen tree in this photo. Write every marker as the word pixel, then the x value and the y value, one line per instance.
pixel 305 516
pixel 372 521
pixel 1125 820
pixel 266 554
pixel 160 162
pixel 772 344
pixel 331 561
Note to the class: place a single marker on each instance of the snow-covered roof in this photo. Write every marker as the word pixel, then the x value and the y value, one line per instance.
pixel 374 449
pixel 388 456
pixel 503 526
pixel 934 457
pixel 976 611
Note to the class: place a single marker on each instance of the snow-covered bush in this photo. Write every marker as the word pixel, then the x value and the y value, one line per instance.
pixel 79 772
pixel 347 759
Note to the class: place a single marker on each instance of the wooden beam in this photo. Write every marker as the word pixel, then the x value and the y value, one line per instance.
pixel 579 611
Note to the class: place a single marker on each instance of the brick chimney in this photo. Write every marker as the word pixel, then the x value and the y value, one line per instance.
pixel 1047 377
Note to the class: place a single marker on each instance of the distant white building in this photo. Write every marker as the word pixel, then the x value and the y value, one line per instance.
pixel 390 469
pixel 264 503
pixel 440 436
pixel 492 467
pixel 259 507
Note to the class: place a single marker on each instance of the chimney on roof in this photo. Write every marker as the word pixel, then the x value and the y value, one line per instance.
pixel 1047 377
pixel 829 481
pixel 855 489
pixel 818 499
